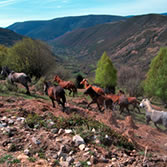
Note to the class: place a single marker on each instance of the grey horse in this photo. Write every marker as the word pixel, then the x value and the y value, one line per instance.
pixel 158 117
pixel 13 77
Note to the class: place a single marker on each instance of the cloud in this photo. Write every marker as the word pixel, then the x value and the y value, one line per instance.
pixel 7 2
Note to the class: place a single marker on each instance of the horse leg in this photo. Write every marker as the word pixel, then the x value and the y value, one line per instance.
pixel 138 108
pixel 93 101
pixel 148 119
pixel 73 92
pixel 98 105
pixel 27 88
pixel 127 108
pixel 53 103
pixel 70 91
pixel 121 109
pixel 62 103
pixel 156 126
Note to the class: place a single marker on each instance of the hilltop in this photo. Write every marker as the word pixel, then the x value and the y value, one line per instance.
pixel 8 37
pixel 51 29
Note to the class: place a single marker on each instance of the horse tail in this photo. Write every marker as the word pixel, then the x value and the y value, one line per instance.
pixel 28 79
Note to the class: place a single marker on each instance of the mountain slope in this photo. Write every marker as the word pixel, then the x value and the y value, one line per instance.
pixel 51 29
pixel 134 41
pixel 8 37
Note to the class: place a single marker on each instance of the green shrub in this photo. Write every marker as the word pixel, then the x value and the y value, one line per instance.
pixel 39 84
pixel 34 120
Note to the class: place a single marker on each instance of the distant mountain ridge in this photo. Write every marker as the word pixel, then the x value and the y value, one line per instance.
pixel 133 42
pixel 51 29
pixel 8 37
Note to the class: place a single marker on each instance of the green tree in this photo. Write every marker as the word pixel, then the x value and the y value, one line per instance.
pixel 106 74
pixel 155 83
pixel 30 56
pixel 3 55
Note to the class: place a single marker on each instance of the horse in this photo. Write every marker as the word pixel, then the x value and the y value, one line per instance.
pixel 132 100
pixel 55 93
pixel 69 85
pixel 13 77
pixel 123 103
pixel 156 116
pixel 120 100
pixel 100 100
pixel 95 88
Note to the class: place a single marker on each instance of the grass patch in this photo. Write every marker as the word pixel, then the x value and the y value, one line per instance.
pixel 9 159
pixel 84 163
pixel 32 159
pixel 83 126
pixel 34 120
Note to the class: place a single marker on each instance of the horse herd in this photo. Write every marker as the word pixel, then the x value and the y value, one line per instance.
pixel 97 94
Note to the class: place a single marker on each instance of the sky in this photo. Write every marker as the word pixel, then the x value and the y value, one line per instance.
pixel 12 11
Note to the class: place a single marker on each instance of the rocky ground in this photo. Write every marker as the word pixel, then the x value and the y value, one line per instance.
pixel 33 133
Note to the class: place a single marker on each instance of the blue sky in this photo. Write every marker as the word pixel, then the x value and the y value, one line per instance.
pixel 12 11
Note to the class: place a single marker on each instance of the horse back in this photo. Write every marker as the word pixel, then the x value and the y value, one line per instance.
pixel 98 90
pixel 123 100
pixel 19 77
pixel 115 98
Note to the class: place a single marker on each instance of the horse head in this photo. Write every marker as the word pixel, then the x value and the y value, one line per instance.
pixel 144 103
pixel 5 71
pixel 57 78
pixel 84 82
pixel 121 92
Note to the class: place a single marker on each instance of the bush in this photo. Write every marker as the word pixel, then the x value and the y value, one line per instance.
pixel 30 56
pixel 130 79
pixel 39 84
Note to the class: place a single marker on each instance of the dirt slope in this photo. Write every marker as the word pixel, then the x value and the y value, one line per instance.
pixel 145 136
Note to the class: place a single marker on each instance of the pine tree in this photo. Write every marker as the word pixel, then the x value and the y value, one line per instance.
pixel 156 80
pixel 106 74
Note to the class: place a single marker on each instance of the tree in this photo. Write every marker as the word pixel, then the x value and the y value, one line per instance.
pixel 106 74
pixel 3 55
pixel 30 56
pixel 155 83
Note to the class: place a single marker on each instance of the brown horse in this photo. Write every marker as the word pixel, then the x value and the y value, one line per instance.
pixel 66 85
pixel 55 93
pixel 100 100
pixel 132 100
pixel 120 100
pixel 123 103
pixel 95 88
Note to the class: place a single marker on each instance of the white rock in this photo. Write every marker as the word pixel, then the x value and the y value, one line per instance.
pixel 113 159
pixel 78 140
pixel 26 151
pixel 60 131
pixel 68 131
pixel 87 149
pixel 89 163
pixel 82 147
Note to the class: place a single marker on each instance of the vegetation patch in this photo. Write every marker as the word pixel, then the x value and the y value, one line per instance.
pixel 84 125
pixel 8 159
pixel 34 120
